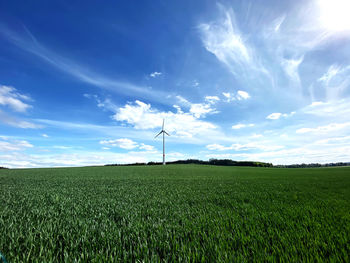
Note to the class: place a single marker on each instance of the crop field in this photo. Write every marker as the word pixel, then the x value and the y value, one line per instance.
pixel 176 213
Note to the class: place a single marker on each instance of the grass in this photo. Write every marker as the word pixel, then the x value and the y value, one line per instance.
pixel 177 213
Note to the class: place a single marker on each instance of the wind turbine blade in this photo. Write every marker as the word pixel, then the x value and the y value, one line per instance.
pixel 163 125
pixel 158 134
pixel 166 133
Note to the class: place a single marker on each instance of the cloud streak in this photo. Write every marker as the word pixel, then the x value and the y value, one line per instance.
pixel 12 121
pixel 29 43
pixel 7 145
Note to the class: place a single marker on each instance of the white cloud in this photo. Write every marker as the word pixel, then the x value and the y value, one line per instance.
pixel 178 109
pixel 155 74
pixel 343 140
pixel 146 147
pixel 200 109
pixel 335 82
pixel 45 135
pixel 332 71
pixel 62 147
pixel 278 22
pixel 183 101
pixel 242 95
pixel 274 116
pixel 212 99
pixel 324 129
pixel 143 116
pixel 277 115
pixel 10 97
pixel 184 134
pixel 244 147
pixel 255 136
pixel 217 147
pixel 123 143
pixel 240 126
pixel 13 145
pixel 229 97
pixel 83 158
pixel 331 109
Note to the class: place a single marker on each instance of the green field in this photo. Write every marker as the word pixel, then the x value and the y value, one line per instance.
pixel 177 213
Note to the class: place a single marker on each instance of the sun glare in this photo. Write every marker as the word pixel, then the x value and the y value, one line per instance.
pixel 335 14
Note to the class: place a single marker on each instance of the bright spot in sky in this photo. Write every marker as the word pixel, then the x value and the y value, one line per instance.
pixel 335 14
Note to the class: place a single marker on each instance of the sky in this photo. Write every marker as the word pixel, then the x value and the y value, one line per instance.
pixel 90 82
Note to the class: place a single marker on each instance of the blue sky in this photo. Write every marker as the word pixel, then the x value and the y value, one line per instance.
pixel 88 83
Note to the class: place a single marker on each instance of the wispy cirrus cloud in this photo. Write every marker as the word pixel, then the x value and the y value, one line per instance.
pixel 7 145
pixel 279 46
pixel 331 109
pixel 244 147
pixel 224 39
pixel 28 42
pixel 331 72
pixel 324 129
pixel 19 123
pixel 291 68
pixel 335 81
pixel 106 103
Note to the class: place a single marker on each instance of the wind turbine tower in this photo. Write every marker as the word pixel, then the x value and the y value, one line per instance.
pixel 163 132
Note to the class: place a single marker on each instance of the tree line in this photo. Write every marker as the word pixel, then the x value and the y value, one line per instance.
pixel 221 162
pixel 312 165
pixel 229 162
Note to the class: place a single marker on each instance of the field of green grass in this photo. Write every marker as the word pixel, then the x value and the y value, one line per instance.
pixel 177 213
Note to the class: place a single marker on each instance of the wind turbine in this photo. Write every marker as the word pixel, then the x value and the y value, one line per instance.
pixel 164 132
